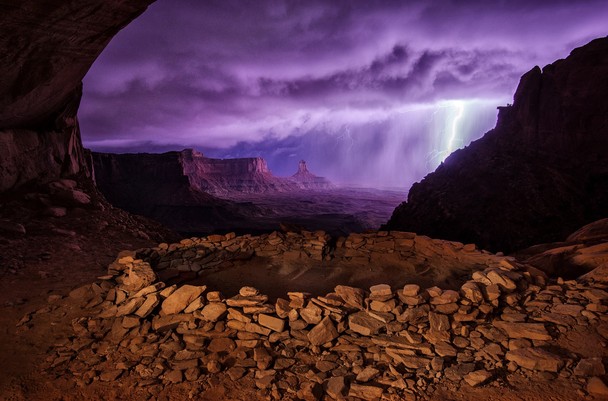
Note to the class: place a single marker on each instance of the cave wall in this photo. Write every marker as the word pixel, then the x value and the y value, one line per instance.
pixel 47 47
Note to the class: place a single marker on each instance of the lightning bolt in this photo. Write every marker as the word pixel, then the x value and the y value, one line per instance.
pixel 455 113
pixel 454 131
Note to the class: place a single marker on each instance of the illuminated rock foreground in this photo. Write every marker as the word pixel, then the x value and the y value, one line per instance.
pixel 502 318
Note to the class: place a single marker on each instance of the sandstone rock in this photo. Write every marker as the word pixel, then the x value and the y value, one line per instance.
pixel 531 331
pixel 310 391
pixel 590 367
pixel 174 376
pixel 365 392
pixel 240 301
pixel 130 321
pixel 367 374
pixel 222 344
pixel 383 306
pixel 139 276
pixel 535 359
pixel 493 292
pixel 402 342
pixel 336 387
pixel 439 322
pixel 472 292
pixel 352 296
pixel 149 290
pixel 364 324
pixel 457 372
pixel 248 327
pixel 236 373
pixel 501 279
pixel 249 292
pixel 195 305
pixel 595 295
pixel 447 309
pixel 192 374
pixel 282 308
pixel 411 290
pixel 264 382
pixel 82 294
pixel 477 377
pixel 214 366
pixel 570 310
pixel 597 386
pixel 444 349
pixel 110 375
pixel 235 314
pixel 312 314
pixel 262 358
pixel 381 290
pixel 213 311
pixel 181 298
pixel 283 363
pixel 447 297
pixel 168 291
pixel 323 332
pixel 437 364
pixel 130 307
pixel 163 323
pixel 271 322
pixel 384 317
pixel 214 296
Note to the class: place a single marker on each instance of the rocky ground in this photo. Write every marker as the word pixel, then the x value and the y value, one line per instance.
pixel 83 321
pixel 51 239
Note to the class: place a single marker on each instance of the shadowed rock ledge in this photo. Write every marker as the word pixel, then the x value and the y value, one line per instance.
pixel 47 48
pixel 536 177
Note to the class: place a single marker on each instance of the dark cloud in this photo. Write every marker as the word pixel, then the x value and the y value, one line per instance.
pixel 220 73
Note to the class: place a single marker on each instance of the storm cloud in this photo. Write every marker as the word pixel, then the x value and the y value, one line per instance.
pixel 231 77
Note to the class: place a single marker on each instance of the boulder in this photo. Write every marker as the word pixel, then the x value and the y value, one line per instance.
pixel 352 296
pixel 181 298
pixel 323 332
pixel 535 359
pixel 364 324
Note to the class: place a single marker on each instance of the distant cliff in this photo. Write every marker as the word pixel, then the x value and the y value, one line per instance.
pixel 190 169
pixel 183 189
pixel 539 175
pixel 154 185
pixel 222 177
pixel 304 179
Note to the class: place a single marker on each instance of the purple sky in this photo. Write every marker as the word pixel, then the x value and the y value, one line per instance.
pixel 374 93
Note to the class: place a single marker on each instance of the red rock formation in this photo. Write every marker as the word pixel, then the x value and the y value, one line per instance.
pixel 183 189
pixel 47 48
pixel 189 168
pixel 307 180
pixel 224 177
pixel 158 186
pixel 536 177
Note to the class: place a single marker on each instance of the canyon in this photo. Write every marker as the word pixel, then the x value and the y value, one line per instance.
pixel 219 177
pixel 100 303
pixel 196 195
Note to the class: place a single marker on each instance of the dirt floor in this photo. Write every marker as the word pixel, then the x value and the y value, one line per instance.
pixel 274 277
pixel 57 254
